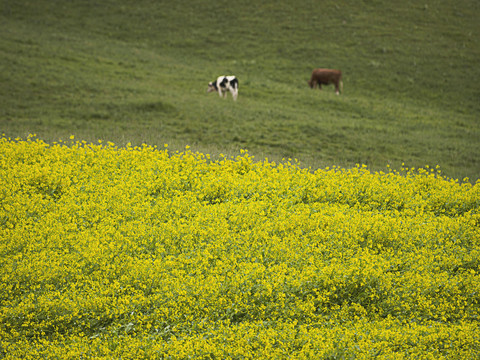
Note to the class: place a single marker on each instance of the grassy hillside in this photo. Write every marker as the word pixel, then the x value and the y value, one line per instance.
pixel 137 72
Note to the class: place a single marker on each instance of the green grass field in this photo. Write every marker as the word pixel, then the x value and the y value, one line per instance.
pixel 137 72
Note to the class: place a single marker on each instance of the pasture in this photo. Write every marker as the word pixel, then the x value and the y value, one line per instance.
pixel 138 73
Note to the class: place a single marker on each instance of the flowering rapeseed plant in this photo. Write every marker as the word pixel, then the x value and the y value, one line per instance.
pixel 137 252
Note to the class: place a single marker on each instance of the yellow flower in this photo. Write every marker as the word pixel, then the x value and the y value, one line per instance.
pixel 112 252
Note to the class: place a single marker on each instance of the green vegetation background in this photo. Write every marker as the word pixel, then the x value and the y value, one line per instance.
pixel 137 72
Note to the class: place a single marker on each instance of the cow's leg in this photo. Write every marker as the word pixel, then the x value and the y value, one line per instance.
pixel 220 93
pixel 337 88
pixel 234 94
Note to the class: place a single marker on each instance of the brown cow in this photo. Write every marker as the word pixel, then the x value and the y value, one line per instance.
pixel 325 77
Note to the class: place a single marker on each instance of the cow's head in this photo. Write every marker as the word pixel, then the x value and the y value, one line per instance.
pixel 310 83
pixel 211 87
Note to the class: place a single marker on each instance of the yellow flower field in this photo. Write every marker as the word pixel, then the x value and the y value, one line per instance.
pixel 141 253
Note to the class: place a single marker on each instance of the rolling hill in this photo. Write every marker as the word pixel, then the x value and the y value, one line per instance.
pixel 137 73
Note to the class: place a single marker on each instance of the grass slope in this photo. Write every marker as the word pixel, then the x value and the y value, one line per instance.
pixel 137 72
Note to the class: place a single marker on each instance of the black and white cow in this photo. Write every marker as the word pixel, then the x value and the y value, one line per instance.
pixel 224 84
